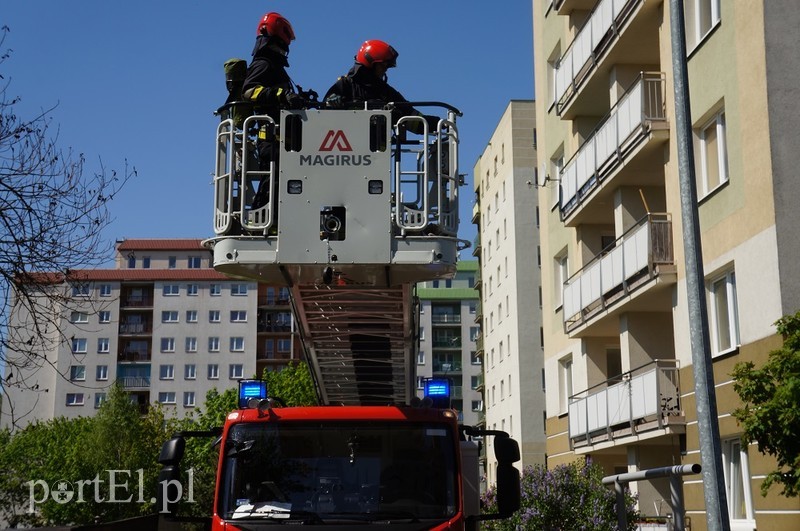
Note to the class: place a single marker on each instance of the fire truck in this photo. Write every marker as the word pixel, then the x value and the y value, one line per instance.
pixel 349 208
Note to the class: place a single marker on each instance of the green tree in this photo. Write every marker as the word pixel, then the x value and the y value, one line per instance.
pixel 564 498
pixel 293 384
pixel 770 414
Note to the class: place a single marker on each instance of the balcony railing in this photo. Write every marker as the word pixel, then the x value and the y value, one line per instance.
pixel 644 399
pixel 446 318
pixel 620 270
pixel 129 382
pixel 133 355
pixel 136 301
pixel 446 366
pixel 448 342
pixel 476 246
pixel 278 328
pixel 135 328
pixel 624 128
pixel 590 44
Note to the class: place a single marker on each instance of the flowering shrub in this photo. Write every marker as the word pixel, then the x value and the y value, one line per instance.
pixel 565 498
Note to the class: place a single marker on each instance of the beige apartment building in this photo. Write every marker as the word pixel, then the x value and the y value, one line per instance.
pixel 617 355
pixel 161 323
pixel 510 310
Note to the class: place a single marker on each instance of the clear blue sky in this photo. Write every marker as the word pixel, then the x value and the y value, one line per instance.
pixel 139 80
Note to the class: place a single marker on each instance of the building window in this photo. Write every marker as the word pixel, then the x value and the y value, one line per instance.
pixel 77 373
pixel 556 165
pixel 473 307
pixel 146 262
pixel 74 399
pixel 723 313
pixel 166 372
pixel 235 371
pixel 737 483
pixel 99 398
pixel 80 290
pixel 172 262
pixel 238 290
pixel 191 344
pixel 474 382
pixel 105 290
pixel 422 333
pixel 565 383
pixel 477 405
pixel 191 316
pixel 213 371
pixel 701 17
pixel 191 289
pixel 103 345
pixel 215 290
pixel 712 157
pixel 193 262
pixel 189 371
pixel 131 261
pixel 79 317
pixel 101 373
pixel 213 344
pixel 284 345
pixel 474 333
pixel 420 382
pixel 474 359
pixel 561 270
pixel 171 290
pixel 167 344
pixel 104 316
pixel 421 357
pixel 213 316
pixel 169 317
pixel 237 344
pixel 188 399
pixel 79 346
pixel 167 397
pixel 238 316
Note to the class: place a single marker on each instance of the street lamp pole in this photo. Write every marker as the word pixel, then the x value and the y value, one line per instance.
pixel 705 397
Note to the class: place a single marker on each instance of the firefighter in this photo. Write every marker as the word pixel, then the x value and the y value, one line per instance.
pixel 269 87
pixel 366 82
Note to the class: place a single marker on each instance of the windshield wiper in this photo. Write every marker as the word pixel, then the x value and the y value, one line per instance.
pixel 276 513
pixel 377 516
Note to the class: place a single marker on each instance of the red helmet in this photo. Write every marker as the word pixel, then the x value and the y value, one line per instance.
pixel 376 51
pixel 275 25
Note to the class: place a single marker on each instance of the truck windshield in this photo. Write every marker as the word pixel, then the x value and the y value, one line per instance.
pixel 334 470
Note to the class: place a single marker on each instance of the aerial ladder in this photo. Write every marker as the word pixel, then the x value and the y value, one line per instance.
pixel 350 209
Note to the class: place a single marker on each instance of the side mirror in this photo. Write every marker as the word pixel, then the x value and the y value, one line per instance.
pixel 508 489
pixel 172 451
pixel 506 450
pixel 169 478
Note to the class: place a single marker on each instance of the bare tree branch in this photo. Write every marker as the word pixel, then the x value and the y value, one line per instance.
pixel 52 217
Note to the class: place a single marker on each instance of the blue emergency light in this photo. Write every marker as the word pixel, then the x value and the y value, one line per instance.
pixel 251 389
pixel 438 391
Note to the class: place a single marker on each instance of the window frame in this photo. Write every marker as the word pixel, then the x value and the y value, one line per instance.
pixel 732 309
pixel 719 122
pixel 738 469
pixel 77 399
pixel 77 373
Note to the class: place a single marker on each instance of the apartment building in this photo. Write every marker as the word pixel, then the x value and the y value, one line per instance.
pixel 618 361
pixel 164 325
pixel 447 339
pixel 510 311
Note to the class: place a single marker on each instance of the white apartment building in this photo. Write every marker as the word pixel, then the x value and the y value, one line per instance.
pixel 164 325
pixel 510 313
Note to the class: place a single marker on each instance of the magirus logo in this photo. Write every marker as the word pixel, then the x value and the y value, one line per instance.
pixel 335 140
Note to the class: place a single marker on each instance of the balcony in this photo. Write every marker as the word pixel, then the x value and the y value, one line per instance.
pixel 136 301
pixel 479 345
pixel 476 213
pixel 135 328
pixel 134 382
pixel 273 328
pixel 631 134
pixel 646 399
pixel 613 278
pixel 447 342
pixel 476 246
pixel 446 318
pixel 565 7
pixel 446 366
pixel 617 32
pixel 133 356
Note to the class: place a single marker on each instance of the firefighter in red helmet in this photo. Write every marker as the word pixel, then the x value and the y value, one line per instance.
pixel 366 82
pixel 267 83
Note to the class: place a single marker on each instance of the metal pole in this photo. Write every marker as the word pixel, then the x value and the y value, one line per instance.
pixel 707 421
pixel 622 510
pixel 676 494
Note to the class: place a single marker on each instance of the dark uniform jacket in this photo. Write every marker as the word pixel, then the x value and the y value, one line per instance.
pixel 267 81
